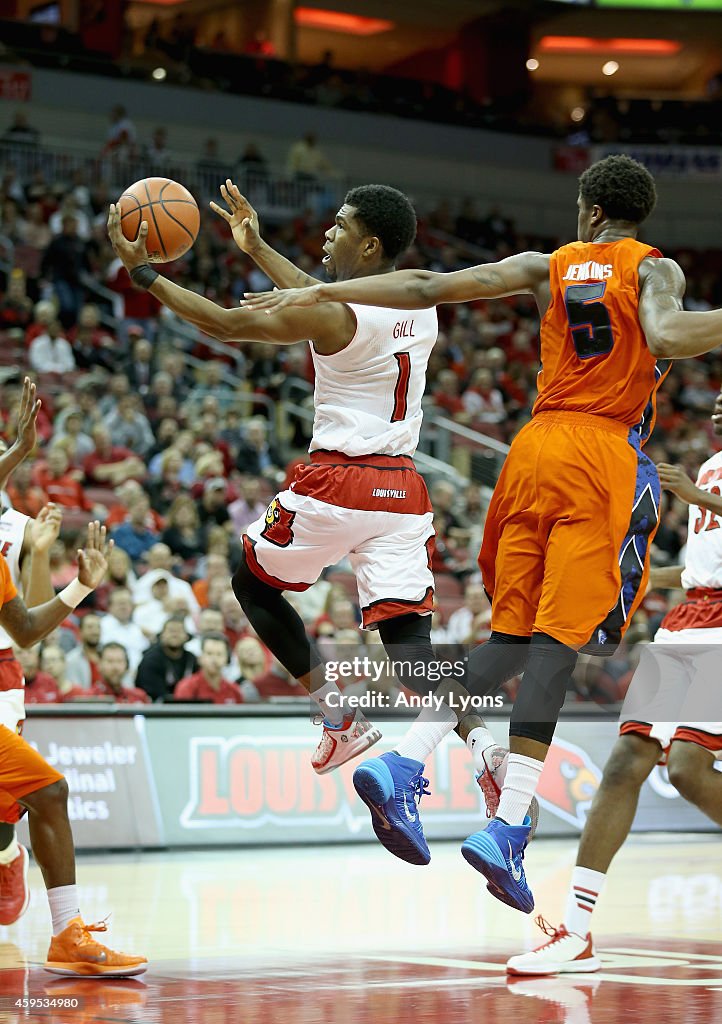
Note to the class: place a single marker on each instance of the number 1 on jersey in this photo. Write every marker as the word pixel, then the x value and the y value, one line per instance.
pixel 401 391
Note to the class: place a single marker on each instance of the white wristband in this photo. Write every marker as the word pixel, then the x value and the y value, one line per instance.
pixel 74 593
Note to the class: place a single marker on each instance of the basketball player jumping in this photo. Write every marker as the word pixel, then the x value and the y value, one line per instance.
pixel 361 496
pixel 686 656
pixel 27 781
pixel 566 544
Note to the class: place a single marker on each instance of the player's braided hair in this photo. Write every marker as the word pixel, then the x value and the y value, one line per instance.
pixel 623 188
pixel 386 213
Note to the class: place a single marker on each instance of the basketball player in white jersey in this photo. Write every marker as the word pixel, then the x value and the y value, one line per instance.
pixel 361 497
pixel 680 670
pixel 25 544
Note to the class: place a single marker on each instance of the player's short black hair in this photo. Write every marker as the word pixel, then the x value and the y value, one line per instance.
pixel 623 188
pixel 386 213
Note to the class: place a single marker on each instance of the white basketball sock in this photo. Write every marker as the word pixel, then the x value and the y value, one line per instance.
pixel 8 855
pixel 478 741
pixel 63 906
pixel 426 733
pixel 331 712
pixel 584 892
pixel 522 777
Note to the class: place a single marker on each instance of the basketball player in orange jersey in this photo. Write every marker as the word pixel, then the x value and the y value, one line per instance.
pixel 685 657
pixel 27 781
pixel 566 544
pixel 361 496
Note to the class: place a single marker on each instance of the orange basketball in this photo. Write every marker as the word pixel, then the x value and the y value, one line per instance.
pixel 171 212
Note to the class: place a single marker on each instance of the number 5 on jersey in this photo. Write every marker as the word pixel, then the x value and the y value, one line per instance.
pixel 401 391
pixel 589 320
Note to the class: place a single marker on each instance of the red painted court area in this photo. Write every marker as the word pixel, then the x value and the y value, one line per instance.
pixel 669 982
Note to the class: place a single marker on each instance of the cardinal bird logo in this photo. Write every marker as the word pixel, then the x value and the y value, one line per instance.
pixel 278 524
pixel 568 783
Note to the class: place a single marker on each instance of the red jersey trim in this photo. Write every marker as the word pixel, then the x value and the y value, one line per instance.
pixel 701 610
pixel 258 570
pixel 323 457
pixel 711 741
pixel 390 608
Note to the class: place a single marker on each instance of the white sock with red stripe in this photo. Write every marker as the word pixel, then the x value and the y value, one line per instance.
pixel 332 712
pixel 478 741
pixel 520 782
pixel 584 892
pixel 63 906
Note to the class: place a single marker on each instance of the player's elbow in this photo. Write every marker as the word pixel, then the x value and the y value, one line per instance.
pixel 661 346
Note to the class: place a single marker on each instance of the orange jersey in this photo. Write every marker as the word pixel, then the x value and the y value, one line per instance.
pixel 594 355
pixel 8 590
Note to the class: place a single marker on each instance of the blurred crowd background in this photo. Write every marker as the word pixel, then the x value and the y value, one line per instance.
pixel 175 441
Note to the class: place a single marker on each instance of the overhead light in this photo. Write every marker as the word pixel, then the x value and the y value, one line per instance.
pixel 532 64
pixel 610 68
pixel 339 21
pixel 588 44
pixel 159 74
pixel 577 114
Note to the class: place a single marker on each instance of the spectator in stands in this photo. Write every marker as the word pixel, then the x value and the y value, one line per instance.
pixel 118 627
pixel 134 535
pixel 156 151
pixel 235 623
pixel 40 687
pixel 121 137
pixel 167 661
pixel 78 444
pixel 54 662
pixel 256 456
pixel 63 263
pixel 306 160
pixel 81 664
pixel 129 427
pixel 208 684
pixel 212 509
pixel 210 620
pixel 251 164
pixel 20 131
pixel 211 168
pixel 110 465
pixel 26 496
pixel 70 209
pixel 169 487
pixel 59 482
pixel 216 567
pixel 92 346
pixel 470 624
pixel 482 401
pixel 16 307
pixel 183 533
pixel 36 235
pixel 151 613
pixel 141 366
pixel 114 663
pixel 51 352
pixel 443 495
pixel 248 507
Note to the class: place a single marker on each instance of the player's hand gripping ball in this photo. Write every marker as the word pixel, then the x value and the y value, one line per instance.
pixel 170 212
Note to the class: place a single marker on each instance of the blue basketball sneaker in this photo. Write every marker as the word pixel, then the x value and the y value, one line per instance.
pixel 391 787
pixel 498 853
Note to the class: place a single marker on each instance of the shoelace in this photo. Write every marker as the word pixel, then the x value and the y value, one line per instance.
pixel 98 926
pixel 549 929
pixel 419 785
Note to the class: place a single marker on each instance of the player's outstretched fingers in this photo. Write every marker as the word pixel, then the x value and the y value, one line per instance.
pixel 221 212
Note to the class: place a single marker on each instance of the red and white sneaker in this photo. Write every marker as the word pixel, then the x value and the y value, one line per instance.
pixel 14 892
pixel 341 743
pixel 564 953
pixel 491 779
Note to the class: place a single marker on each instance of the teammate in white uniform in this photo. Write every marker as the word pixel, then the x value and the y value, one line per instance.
pixel 25 545
pixel 677 678
pixel 361 497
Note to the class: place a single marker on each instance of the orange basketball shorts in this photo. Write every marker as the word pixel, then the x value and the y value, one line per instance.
pixel 569 530
pixel 22 771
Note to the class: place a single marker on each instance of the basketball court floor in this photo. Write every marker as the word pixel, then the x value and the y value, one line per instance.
pixel 339 934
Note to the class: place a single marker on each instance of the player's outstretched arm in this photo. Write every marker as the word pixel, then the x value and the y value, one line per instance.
pixel 330 327
pixel 673 332
pixel 29 625
pixel 418 289
pixel 666 577
pixel 41 534
pixel 242 219
pixel 27 433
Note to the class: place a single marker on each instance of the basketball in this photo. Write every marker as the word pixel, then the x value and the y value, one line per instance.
pixel 171 212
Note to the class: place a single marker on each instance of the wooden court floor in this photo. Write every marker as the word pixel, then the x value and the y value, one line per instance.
pixel 348 934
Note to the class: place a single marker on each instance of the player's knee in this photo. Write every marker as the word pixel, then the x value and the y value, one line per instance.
pixel 50 799
pixel 629 764
pixel 685 769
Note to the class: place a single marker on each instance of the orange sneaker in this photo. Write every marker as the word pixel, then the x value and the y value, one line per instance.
pixel 14 892
pixel 76 953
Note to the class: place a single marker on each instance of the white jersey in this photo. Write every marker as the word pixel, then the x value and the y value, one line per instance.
pixel 368 397
pixel 703 559
pixel 12 533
